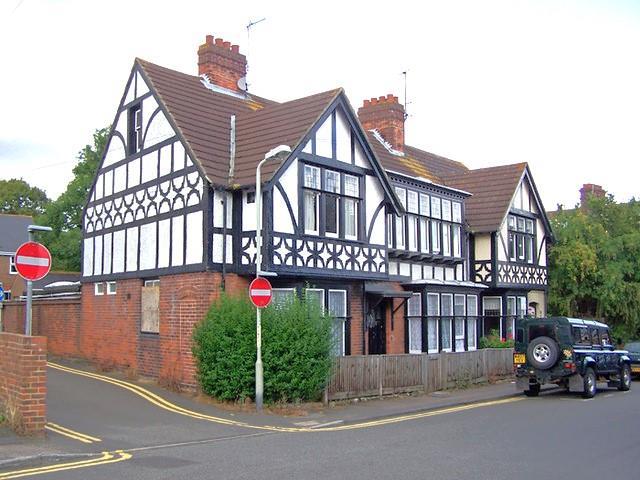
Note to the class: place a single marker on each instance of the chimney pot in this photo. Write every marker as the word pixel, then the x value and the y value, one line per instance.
pixel 366 103
pixel 227 45
pixel 381 98
pixel 219 42
pixel 235 48
pixel 390 97
pixel 209 40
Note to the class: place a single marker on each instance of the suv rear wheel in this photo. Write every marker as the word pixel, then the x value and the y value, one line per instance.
pixel 589 381
pixel 542 353
pixel 625 378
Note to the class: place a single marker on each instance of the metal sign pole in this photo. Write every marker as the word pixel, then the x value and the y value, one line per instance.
pixel 27 322
pixel 259 366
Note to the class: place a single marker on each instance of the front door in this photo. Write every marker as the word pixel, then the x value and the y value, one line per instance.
pixel 377 343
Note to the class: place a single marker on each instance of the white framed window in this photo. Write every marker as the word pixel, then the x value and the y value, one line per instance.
pixel 433 314
pixel 529 227
pixel 412 201
pixel 331 215
pixel 315 295
pixel 424 204
pixel 311 212
pixel 400 231
pixel 521 223
pixel 350 219
pixel 98 288
pixel 457 212
pixel 412 233
pixel 332 181
pixel 150 303
pixel 457 241
pixel 414 318
pixel 390 230
pixel 351 186
pixel 402 195
pixel 135 128
pixel 12 265
pixel 311 177
pixel 152 283
pixel 338 310
pixel 282 296
pixel 446 319
pixel 446 210
pixel 459 303
pixel 492 307
pixel 529 244
pixel 446 239
pixel 435 207
pixel 472 321
pixel 112 288
pixel 522 307
pixel 424 235
pixel 435 236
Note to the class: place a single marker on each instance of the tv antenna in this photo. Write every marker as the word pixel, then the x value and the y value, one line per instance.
pixel 406 103
pixel 251 24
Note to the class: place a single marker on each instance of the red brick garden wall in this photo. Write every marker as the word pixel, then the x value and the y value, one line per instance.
pixel 23 382
pixel 58 320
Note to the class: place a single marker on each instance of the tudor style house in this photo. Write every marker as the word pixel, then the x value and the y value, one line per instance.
pixel 408 251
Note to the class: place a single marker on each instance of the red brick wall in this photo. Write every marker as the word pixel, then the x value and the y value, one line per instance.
pixel 58 320
pixel 357 320
pixel 23 383
pixel 110 330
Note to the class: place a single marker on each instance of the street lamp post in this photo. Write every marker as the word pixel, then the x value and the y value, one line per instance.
pixel 271 155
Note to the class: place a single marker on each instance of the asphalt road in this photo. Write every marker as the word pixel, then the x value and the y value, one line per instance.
pixel 555 436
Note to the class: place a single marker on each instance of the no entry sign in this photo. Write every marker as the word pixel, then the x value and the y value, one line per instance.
pixel 33 261
pixel 260 292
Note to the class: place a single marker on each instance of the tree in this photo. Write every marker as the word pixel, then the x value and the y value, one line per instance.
pixel 20 198
pixel 64 215
pixel 594 266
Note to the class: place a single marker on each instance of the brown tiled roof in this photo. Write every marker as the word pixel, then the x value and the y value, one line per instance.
pixel 492 189
pixel 203 117
pixel 277 124
pixel 416 162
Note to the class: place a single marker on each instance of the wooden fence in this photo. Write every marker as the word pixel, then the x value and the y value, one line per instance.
pixel 372 375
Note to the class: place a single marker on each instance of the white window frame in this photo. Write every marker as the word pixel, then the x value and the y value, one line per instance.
pixel 99 288
pixel 425 205
pixel 456 212
pixel 304 177
pixel 446 210
pixel 436 208
pixel 390 227
pixel 450 321
pixel 424 235
pixel 344 319
pixel 412 202
pixel 475 323
pixel 112 288
pixel 316 195
pixel 412 227
pixel 152 283
pixel 321 290
pixel 435 236
pixel 412 317
pixel 484 299
pixel 355 218
pixel 462 317
pixel 283 290
pixel 436 322
pixel 456 238
pixel 402 196
pixel 446 239
pixel 337 232
pixel 355 194
pixel 400 231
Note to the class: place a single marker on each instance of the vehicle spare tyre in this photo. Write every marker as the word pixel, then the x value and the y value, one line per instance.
pixel 542 353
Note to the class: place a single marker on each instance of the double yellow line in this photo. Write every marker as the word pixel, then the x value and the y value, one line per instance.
pixel 106 458
pixel 67 432
pixel 171 407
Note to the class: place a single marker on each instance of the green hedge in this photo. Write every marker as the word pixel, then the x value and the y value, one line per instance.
pixel 493 340
pixel 296 350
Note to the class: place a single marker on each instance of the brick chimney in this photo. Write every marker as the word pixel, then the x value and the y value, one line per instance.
pixel 222 63
pixel 589 189
pixel 387 116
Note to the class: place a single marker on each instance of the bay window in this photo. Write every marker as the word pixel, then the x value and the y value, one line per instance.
pixel 331 203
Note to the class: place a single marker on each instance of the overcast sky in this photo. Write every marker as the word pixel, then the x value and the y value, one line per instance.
pixel 553 83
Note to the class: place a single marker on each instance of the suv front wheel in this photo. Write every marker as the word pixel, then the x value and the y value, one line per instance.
pixel 625 378
pixel 542 353
pixel 589 381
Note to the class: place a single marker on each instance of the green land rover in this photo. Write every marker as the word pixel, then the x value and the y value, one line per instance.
pixel 569 352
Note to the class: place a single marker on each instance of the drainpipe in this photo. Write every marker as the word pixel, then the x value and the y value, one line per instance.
pixel 224 240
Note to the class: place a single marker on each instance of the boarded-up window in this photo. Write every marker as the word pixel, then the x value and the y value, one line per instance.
pixel 150 308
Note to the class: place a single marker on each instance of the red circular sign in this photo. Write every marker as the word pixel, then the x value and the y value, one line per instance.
pixel 260 292
pixel 33 261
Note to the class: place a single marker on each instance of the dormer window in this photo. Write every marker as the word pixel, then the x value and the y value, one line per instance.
pixel 135 129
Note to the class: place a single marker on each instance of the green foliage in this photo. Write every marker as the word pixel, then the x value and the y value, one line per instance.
pixel 594 266
pixel 64 215
pixel 493 340
pixel 296 350
pixel 19 198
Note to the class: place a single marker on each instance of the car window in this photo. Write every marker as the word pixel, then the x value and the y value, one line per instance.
pixel 581 335
pixel 595 338
pixel 604 338
pixel 633 347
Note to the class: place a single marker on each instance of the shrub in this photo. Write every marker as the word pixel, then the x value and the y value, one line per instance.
pixel 493 340
pixel 296 350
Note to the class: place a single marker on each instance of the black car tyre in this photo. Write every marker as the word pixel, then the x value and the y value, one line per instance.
pixel 542 353
pixel 533 391
pixel 589 382
pixel 625 378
